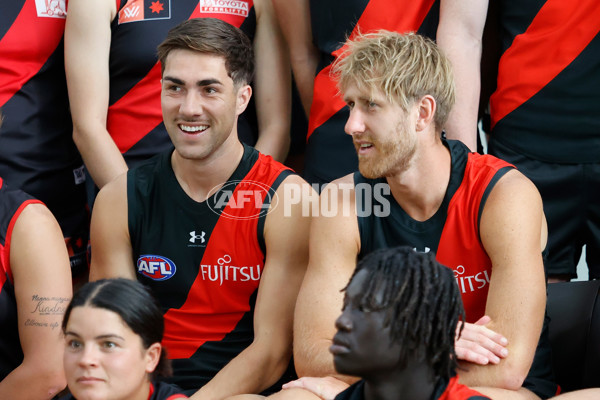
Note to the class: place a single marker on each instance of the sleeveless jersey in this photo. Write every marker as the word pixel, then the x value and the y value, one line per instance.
pixel 203 261
pixel 37 153
pixel 12 203
pixel 452 233
pixel 330 153
pixel 134 114
pixel 547 98
pixel 444 390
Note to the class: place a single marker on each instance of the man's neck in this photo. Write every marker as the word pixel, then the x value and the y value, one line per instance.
pixel 202 178
pixel 420 189
pixel 416 382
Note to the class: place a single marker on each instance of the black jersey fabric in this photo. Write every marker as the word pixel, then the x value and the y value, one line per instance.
pixel 547 98
pixel 203 261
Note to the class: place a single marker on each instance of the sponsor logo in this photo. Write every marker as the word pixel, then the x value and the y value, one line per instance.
pixel 51 8
pixel 156 267
pixel 242 199
pixel 470 283
pixel 197 239
pixel 234 7
pixel 144 10
pixel 224 271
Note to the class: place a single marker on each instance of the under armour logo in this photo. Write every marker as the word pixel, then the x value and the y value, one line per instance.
pixel 195 237
pixel 426 250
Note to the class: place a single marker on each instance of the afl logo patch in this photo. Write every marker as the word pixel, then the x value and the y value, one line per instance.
pixel 156 267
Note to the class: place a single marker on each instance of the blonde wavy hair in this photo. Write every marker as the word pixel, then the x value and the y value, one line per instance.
pixel 405 67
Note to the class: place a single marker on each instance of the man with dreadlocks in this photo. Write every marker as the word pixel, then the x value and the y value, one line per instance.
pixel 396 330
pixel 477 214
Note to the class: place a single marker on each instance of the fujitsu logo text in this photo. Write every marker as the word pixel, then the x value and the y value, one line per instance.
pixel 470 283
pixel 225 272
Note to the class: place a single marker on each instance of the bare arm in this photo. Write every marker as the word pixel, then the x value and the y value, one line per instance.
pixel 272 84
pixel 294 19
pixel 42 281
pixel 87 45
pixel 334 245
pixel 263 362
pixel 513 233
pixel 109 233
pixel 459 35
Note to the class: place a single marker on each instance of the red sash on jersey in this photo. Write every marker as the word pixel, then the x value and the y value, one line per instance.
pixel 557 35
pixel 377 15
pixel 138 112
pixel 26 47
pixel 212 309
pixel 460 247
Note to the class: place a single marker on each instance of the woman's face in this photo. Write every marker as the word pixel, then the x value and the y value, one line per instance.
pixel 104 358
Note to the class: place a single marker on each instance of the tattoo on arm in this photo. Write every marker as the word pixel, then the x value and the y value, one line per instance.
pixel 46 306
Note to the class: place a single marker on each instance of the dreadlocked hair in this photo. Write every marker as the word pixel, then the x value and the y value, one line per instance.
pixel 421 302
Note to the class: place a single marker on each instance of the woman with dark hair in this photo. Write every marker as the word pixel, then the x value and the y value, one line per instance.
pixel 113 329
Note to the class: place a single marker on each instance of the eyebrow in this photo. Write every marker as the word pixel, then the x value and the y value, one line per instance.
pixel 204 82
pixel 107 336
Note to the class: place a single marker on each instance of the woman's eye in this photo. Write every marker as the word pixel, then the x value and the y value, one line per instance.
pixel 74 344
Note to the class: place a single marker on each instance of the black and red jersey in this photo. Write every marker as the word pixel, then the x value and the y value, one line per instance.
pixel 37 153
pixel 547 98
pixel 134 115
pixel 12 203
pixel 203 261
pixel 452 233
pixel 330 153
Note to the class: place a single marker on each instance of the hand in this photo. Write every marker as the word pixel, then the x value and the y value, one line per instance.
pixel 479 344
pixel 326 388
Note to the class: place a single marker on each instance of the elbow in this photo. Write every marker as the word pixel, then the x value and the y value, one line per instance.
pixel 511 378
pixel 52 382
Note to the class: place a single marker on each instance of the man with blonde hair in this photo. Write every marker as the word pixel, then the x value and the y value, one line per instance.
pixel 477 214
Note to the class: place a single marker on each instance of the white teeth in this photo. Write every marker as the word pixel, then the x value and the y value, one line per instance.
pixel 193 129
pixel 364 146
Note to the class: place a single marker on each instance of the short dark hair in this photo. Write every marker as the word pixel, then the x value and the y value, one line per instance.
pixel 421 302
pixel 212 36
pixel 136 306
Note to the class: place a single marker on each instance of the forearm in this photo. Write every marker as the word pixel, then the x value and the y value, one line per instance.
pixel 274 142
pixel 100 154
pixel 31 382
pixel 252 371
pixel 304 75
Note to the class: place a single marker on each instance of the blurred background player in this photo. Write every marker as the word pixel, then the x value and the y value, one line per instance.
pixel 37 153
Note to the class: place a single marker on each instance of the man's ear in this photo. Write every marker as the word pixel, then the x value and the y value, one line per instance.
pixel 426 107
pixel 243 97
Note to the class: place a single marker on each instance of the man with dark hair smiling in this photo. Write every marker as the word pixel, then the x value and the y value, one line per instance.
pixel 201 224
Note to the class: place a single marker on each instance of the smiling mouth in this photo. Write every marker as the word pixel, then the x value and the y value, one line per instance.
pixel 193 129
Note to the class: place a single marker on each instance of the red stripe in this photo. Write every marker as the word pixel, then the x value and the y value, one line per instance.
pixel 39 36
pixel 138 112
pixel 8 239
pixel 557 35
pixel 377 15
pixel 196 322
